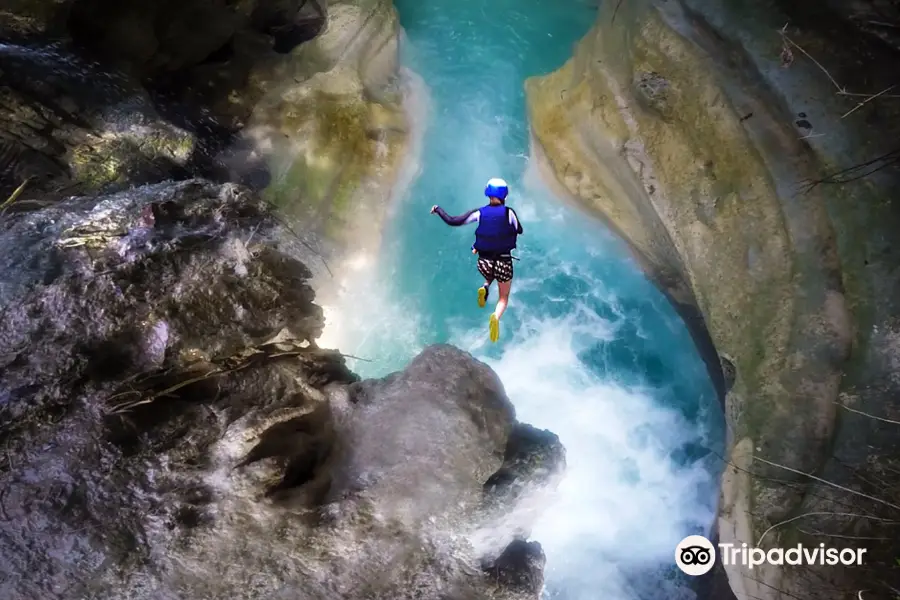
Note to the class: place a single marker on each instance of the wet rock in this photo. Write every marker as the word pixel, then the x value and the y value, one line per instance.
pixel 158 362
pixel 728 371
pixel 469 417
pixel 514 498
pixel 532 462
pixel 520 569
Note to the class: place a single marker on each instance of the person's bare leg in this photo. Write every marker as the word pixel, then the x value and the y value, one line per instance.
pixel 494 323
pixel 504 286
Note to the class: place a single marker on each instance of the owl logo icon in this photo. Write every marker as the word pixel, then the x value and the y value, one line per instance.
pixel 695 555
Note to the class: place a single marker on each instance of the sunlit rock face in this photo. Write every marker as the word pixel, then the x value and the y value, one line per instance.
pixel 748 153
pixel 171 430
pixel 332 127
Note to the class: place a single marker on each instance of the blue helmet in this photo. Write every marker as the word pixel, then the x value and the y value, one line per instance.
pixel 496 188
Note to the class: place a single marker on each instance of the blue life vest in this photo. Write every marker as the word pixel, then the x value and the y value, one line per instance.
pixel 495 233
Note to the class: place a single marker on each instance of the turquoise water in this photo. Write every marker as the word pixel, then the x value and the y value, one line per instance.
pixel 588 348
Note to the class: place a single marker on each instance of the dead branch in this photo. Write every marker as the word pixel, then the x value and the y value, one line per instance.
pixel 615 12
pixel 865 414
pixel 800 488
pixel 816 533
pixel 819 513
pixel 18 192
pixel 829 483
pixel 841 90
pixel 147 384
pixel 863 103
pixel 856 172
pixel 127 406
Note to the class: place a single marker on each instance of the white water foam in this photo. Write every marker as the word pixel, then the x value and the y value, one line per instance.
pixel 622 504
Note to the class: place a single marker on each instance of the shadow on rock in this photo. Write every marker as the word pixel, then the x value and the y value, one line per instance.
pixel 70 126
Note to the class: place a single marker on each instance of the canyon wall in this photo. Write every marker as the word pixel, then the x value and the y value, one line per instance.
pixel 740 149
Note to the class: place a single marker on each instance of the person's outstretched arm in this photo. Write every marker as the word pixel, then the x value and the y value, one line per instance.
pixel 466 218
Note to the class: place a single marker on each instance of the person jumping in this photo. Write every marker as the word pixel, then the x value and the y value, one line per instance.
pixel 495 238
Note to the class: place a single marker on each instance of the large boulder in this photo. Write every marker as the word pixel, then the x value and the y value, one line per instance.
pixel 170 428
pixel 744 152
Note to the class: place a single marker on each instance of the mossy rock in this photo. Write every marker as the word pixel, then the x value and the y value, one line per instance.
pixel 338 147
pixel 334 131
pixel 118 159
pixel 326 147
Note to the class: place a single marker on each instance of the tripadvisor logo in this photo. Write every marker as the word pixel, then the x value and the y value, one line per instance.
pixel 695 555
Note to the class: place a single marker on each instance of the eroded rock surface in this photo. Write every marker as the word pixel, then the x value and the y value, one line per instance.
pixel 760 195
pixel 171 429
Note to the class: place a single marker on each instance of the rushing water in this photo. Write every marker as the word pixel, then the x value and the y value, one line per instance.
pixel 588 348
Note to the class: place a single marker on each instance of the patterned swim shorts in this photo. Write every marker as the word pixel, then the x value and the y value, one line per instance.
pixel 500 269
